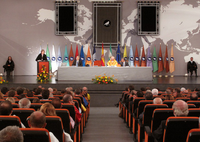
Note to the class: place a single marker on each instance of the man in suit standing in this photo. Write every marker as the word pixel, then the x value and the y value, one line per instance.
pixel 192 66
pixel 123 63
pixel 77 62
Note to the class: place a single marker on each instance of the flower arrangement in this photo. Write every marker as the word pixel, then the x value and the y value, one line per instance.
pixel 2 80
pixel 104 79
pixel 43 76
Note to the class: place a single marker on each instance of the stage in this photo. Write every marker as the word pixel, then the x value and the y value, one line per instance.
pixel 105 95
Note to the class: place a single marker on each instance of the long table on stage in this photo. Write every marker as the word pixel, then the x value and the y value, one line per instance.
pixel 121 73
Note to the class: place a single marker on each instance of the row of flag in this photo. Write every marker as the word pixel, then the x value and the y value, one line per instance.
pixel 150 61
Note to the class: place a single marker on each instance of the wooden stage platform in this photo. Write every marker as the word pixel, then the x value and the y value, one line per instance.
pixel 105 95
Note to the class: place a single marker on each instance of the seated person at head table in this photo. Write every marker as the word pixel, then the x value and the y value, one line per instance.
pixel 112 62
pixel 41 56
pixel 123 63
pixel 77 62
pixel 9 66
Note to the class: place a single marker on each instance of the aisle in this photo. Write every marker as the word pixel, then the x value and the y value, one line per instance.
pixel 104 125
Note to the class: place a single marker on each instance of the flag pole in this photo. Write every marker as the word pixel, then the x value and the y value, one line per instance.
pixel 160 75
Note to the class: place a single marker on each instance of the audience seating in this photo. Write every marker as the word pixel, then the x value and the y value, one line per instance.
pixel 169 102
pixel 191 106
pixel 23 113
pixel 9 121
pixel 15 105
pixel 35 135
pixel 197 103
pixel 36 106
pixel 55 125
pixel 147 116
pixel 194 112
pixel 183 98
pixel 32 98
pixel 193 135
pixel 45 101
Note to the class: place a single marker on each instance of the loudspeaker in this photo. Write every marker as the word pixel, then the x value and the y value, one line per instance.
pixel 148 17
pixel 107 24
pixel 66 17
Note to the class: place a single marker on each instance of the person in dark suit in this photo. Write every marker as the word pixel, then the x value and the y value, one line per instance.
pixel 180 108
pixel 192 66
pixel 123 63
pixel 41 56
pixel 9 66
pixel 77 62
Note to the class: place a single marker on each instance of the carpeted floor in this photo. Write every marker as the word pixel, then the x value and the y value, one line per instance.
pixel 104 125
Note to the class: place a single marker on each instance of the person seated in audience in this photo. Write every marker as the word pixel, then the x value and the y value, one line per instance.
pixel 193 96
pixel 20 91
pixel 9 66
pixel 155 101
pixel 11 134
pixel 77 62
pixel 50 92
pixel 45 94
pixel 24 103
pixel 168 95
pixel 112 62
pixel 139 94
pixel 34 90
pixel 38 120
pixel 49 110
pixel 180 108
pixel 29 94
pixel 142 89
pixel 11 93
pixel 4 91
pixel 123 63
pixel 56 102
pixel 11 99
pixel 177 93
pixel 68 99
pixel 154 92
pixel 36 100
pixel 54 91
pixel 38 91
pixel 63 92
pixel 6 109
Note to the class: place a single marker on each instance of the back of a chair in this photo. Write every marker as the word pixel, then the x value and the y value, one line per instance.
pixel 183 98
pixel 15 105
pixel 71 109
pixel 55 125
pixel 159 115
pixel 141 105
pixel 197 103
pixel 78 99
pixel 35 135
pixel 135 103
pixel 32 98
pixel 191 106
pixel 36 106
pixel 23 113
pixel 76 104
pixel 45 101
pixel 169 103
pixel 194 112
pixel 177 128
pixel 65 116
pixel 193 135
pixel 9 121
pixel 148 111
pixel 60 96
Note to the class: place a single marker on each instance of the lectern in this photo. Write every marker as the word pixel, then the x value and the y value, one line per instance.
pixel 42 63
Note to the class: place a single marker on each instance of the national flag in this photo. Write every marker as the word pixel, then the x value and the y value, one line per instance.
pixel 155 61
pixel 118 57
pixel 143 58
pixel 149 58
pixel 48 57
pixel 66 58
pixel 131 62
pixel 88 59
pixel 59 58
pixel 166 61
pixel 160 61
pixel 125 53
pixel 136 61
pixel 172 64
pixel 110 52
pixel 82 56
pixel 94 55
pixel 76 54
pixel 53 60
pixel 102 56
pixel 71 56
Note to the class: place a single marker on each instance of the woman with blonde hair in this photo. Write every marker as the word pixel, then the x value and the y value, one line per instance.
pixel 48 109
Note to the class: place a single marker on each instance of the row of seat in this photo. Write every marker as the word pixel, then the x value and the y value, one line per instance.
pixel 135 125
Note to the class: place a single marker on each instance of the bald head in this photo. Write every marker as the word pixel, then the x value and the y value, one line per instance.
pixel 157 101
pixel 37 120
pixel 180 108
pixel 24 103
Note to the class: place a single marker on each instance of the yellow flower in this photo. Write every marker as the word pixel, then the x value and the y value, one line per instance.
pixel 1 82
pixel 40 80
pixel 111 81
pixel 106 80
pixel 40 74
pixel 45 76
pixel 43 71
